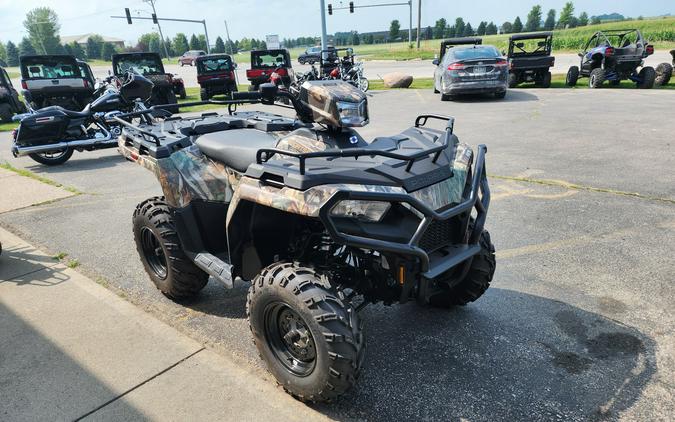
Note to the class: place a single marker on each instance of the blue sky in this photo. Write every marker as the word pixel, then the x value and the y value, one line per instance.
pixel 289 18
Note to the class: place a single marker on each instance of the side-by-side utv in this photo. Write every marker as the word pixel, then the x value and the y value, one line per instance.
pixel 530 59
pixel 10 103
pixel 319 220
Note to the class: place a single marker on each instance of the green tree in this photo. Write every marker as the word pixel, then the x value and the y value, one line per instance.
pixel 77 50
pixel 26 48
pixel 507 27
pixel 194 42
pixel 566 16
pixel 459 27
pixel 428 33
pixel 42 25
pixel 219 48
pixel 533 19
pixel 202 42
pixel 3 55
pixel 94 44
pixel 439 28
pixel 153 45
pixel 180 43
pixel 107 50
pixel 356 39
pixel 517 26
pixel 394 29
pixel 169 46
pixel 12 54
pixel 549 24
pixel 595 20
pixel 481 28
pixel 491 29
pixel 468 30
pixel 583 19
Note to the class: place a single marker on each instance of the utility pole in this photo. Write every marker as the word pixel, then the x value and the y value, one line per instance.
pixel 419 21
pixel 324 36
pixel 159 27
pixel 229 41
pixel 410 27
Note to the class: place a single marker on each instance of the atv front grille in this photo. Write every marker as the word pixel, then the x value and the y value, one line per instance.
pixel 438 234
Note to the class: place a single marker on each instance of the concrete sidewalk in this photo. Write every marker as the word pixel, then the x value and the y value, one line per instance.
pixel 71 349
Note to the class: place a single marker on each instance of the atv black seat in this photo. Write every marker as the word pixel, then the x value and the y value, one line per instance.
pixel 236 149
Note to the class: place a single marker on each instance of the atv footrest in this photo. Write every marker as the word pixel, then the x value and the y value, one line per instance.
pixel 215 267
pixel 456 255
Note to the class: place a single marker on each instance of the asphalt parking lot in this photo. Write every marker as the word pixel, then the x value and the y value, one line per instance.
pixel 578 323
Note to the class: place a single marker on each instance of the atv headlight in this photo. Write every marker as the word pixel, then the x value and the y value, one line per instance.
pixel 366 211
pixel 352 114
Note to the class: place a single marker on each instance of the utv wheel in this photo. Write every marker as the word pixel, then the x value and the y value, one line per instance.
pixel 52 158
pixel 572 76
pixel 546 81
pixel 5 113
pixel 309 337
pixel 476 281
pixel 664 71
pixel 596 78
pixel 203 94
pixel 182 93
pixel 513 80
pixel 647 77
pixel 159 247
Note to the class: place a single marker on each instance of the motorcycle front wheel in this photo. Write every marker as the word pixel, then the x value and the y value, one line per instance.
pixel 364 84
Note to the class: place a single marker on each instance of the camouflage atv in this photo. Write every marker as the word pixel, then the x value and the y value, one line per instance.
pixel 319 220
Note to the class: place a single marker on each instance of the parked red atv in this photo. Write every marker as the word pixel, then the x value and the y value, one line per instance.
pixel 266 62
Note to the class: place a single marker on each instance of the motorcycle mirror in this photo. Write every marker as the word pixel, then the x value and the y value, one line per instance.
pixel 268 91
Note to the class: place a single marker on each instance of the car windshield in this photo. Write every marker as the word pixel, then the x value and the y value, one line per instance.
pixel 45 68
pixel 215 64
pixel 486 52
pixel 269 59
pixel 143 65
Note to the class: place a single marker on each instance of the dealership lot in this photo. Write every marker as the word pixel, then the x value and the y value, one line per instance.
pixel 578 323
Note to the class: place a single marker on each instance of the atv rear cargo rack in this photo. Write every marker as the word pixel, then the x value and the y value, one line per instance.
pixel 265 154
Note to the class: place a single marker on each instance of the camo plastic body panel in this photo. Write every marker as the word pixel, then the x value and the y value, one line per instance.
pixel 322 98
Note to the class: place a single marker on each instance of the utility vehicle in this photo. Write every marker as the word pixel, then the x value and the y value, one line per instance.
pixel 150 66
pixel 266 62
pixel 614 55
pixel 453 42
pixel 321 221
pixel 215 74
pixel 10 103
pixel 54 80
pixel 50 135
pixel 664 71
pixel 530 59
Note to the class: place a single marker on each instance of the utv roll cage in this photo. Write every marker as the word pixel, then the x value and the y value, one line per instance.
pixel 452 42
pixel 517 49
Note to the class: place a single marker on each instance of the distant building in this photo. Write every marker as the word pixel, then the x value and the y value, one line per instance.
pixel 82 40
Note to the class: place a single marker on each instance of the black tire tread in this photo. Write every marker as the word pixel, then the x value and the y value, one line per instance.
pixel 337 318
pixel 599 74
pixel 477 280
pixel 185 279
pixel 52 162
pixel 648 76
pixel 664 71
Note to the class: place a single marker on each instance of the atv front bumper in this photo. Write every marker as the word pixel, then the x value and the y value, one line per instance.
pixel 431 266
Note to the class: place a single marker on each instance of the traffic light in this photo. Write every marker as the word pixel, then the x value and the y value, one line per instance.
pixel 351 7
pixel 126 10
pixel 154 18
pixel 330 9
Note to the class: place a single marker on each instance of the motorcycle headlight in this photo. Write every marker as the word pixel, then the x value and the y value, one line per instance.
pixel 366 211
pixel 352 114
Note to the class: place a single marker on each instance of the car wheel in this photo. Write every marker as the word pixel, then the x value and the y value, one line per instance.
pixel 513 80
pixel 180 62
pixel 572 76
pixel 500 94
pixel 596 78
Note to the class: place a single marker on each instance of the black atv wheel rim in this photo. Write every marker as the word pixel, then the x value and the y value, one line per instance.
pixel 290 339
pixel 153 253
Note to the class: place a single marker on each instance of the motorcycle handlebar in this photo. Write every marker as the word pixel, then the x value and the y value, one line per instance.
pixel 253 95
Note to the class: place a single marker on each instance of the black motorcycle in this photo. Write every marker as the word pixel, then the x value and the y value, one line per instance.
pixel 50 135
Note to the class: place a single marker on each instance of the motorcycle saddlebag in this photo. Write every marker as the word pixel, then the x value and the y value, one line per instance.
pixel 43 128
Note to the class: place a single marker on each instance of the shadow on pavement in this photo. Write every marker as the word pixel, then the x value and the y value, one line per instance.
pixel 80 162
pixel 510 356
pixel 39 381
pixel 22 266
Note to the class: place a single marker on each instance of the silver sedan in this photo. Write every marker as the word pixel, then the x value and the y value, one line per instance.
pixel 475 69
